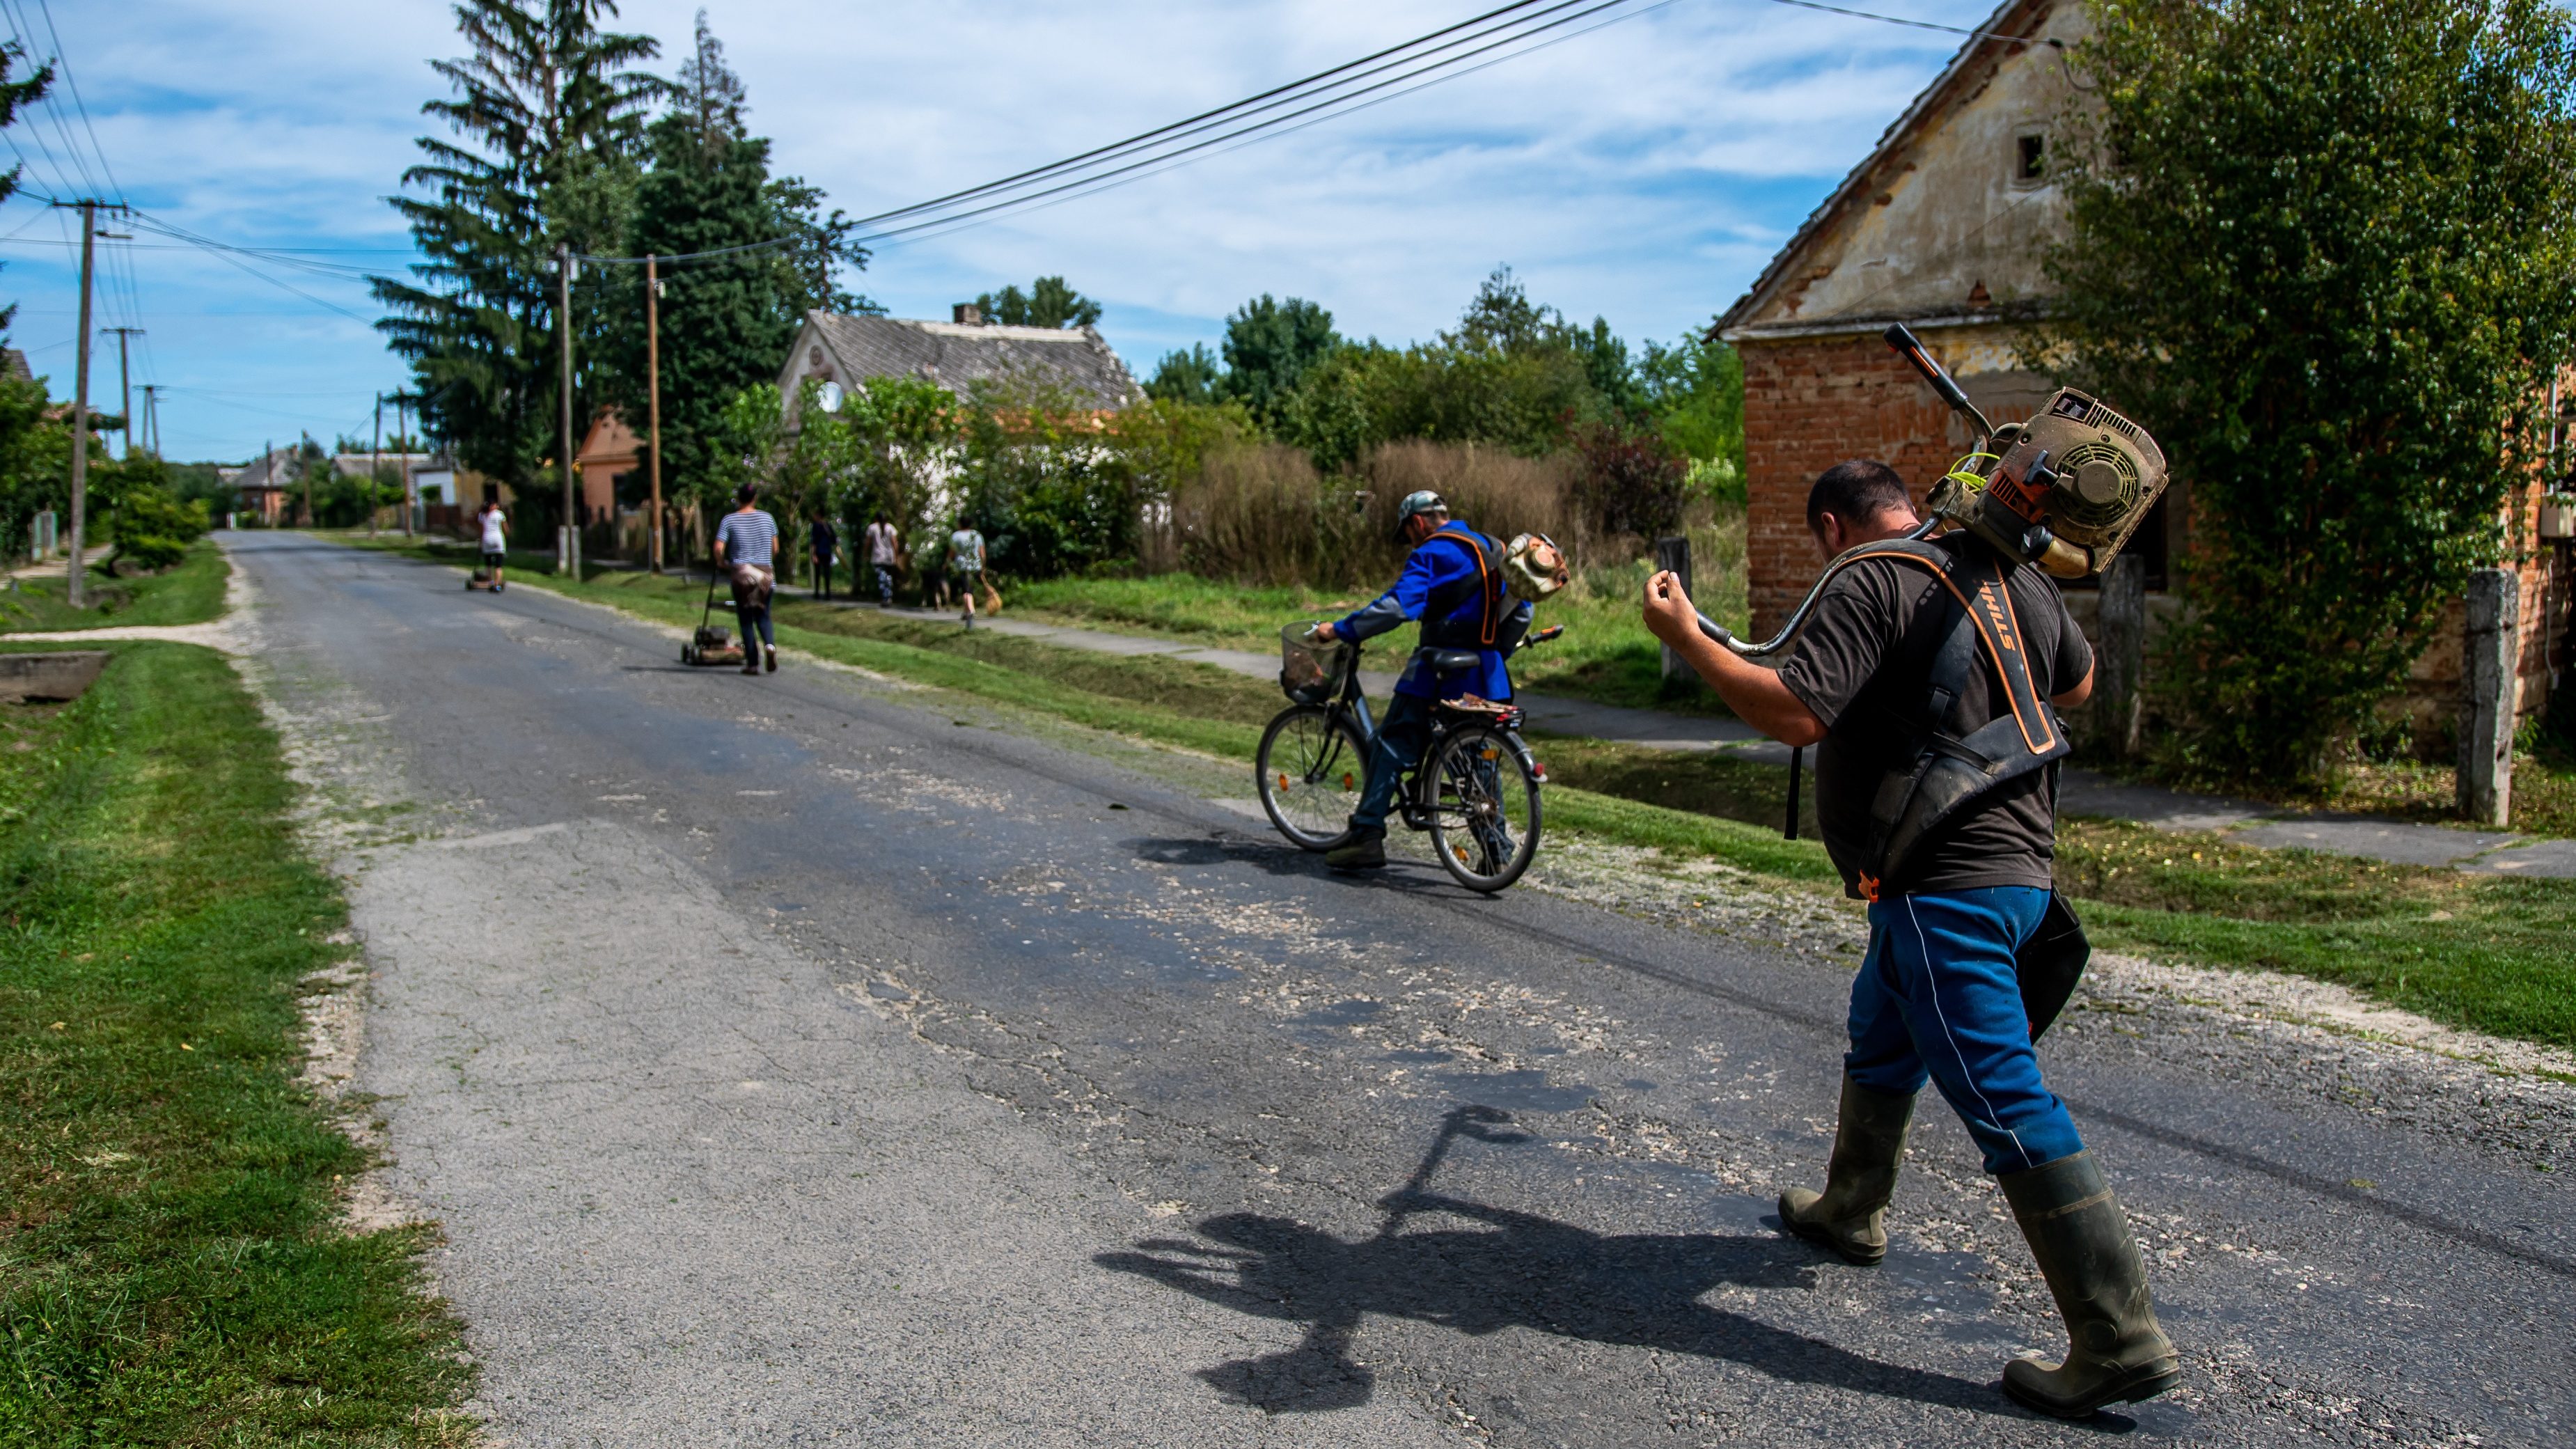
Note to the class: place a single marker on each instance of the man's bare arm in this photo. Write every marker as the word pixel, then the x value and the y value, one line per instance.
pixel 2082 691
pixel 1755 694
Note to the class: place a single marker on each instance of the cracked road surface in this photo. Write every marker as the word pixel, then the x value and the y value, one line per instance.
pixel 816 1060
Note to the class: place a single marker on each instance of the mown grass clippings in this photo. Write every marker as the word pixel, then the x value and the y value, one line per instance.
pixel 2488 954
pixel 191 593
pixel 171 1266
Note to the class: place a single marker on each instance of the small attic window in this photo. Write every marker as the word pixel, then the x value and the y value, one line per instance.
pixel 2030 158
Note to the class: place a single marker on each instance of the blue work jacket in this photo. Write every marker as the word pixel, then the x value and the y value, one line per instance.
pixel 1446 563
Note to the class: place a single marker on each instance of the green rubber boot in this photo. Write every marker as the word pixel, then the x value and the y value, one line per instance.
pixel 2116 1352
pixel 1850 1215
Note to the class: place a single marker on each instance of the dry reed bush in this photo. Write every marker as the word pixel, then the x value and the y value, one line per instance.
pixel 1263 515
pixel 1495 492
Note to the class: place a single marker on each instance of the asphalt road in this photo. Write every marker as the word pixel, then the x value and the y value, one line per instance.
pixel 807 1060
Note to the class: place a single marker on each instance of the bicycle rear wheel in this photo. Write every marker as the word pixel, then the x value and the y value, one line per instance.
pixel 1485 822
pixel 1312 767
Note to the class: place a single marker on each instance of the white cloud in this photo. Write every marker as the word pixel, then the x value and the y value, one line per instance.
pixel 1644 172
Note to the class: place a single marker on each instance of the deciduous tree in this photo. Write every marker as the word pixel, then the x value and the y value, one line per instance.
pixel 2323 251
pixel 1048 302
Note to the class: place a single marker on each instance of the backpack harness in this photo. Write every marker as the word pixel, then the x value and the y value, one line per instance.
pixel 1956 758
pixel 1486 588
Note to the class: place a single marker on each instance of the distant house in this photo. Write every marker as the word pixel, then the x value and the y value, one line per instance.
pixel 262 484
pixel 958 355
pixel 610 455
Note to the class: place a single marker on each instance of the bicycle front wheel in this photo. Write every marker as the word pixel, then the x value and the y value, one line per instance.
pixel 1485 823
pixel 1312 768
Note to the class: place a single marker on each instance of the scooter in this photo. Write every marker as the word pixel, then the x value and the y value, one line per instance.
pixel 710 645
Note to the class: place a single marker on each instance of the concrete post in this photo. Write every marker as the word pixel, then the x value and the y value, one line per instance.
pixel 2120 670
pixel 1674 554
pixel 2491 654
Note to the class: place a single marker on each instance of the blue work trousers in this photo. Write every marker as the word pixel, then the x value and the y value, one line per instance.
pixel 1402 736
pixel 1937 996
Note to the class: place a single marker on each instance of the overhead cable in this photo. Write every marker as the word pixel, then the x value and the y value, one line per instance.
pixel 1116 147
pixel 1920 24
pixel 1110 181
pixel 1157 154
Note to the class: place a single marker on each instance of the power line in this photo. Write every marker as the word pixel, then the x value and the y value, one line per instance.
pixel 1117 147
pixel 46 6
pixel 1427 60
pixel 52 107
pixel 933 229
pixel 1088 174
pixel 771 245
pixel 1919 24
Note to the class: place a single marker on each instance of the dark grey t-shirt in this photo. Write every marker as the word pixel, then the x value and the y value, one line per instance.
pixel 1864 666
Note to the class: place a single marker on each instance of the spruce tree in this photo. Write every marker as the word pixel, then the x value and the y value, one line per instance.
pixel 727 321
pixel 547 113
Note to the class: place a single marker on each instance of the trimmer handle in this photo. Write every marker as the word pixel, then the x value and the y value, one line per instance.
pixel 1901 338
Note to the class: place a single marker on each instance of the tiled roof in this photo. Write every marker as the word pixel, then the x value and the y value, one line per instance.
pixel 957 357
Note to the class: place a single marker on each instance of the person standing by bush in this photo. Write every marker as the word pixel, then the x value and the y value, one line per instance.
pixel 824 542
pixel 881 557
pixel 746 545
pixel 966 562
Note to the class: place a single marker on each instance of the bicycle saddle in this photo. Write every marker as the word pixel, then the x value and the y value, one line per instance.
pixel 1450 661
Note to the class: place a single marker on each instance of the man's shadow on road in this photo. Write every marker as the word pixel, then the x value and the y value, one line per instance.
pixel 1523 1270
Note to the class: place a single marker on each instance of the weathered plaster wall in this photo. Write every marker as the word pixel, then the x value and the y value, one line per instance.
pixel 1944 224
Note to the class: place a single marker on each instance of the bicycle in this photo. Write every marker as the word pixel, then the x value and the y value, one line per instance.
pixel 1476 791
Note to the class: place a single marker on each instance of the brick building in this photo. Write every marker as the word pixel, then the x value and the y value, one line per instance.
pixel 1941 227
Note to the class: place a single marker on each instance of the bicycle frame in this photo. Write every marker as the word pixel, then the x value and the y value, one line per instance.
pixel 1416 804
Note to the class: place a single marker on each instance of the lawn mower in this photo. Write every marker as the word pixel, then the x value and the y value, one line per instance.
pixel 710 645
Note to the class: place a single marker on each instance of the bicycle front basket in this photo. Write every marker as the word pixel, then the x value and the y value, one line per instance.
pixel 1311 670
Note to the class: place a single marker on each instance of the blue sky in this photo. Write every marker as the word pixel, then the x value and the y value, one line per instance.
pixel 1642 173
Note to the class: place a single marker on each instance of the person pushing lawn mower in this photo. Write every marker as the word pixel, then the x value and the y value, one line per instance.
pixel 496 540
pixel 1928 670
pixel 746 544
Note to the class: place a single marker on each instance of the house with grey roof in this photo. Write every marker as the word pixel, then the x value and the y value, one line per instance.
pixel 958 355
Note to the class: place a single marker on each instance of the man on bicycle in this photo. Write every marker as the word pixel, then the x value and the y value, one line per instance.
pixel 1453 583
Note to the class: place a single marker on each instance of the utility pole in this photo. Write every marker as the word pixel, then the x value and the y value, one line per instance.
pixel 402 444
pixel 152 419
pixel 375 461
pixel 653 396
pixel 73 591
pixel 124 387
pixel 571 550
pixel 305 518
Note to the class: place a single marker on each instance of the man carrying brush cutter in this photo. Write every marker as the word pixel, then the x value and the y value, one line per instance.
pixel 1912 648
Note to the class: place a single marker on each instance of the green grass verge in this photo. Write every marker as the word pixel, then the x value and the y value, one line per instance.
pixel 191 593
pixel 2494 955
pixel 171 1271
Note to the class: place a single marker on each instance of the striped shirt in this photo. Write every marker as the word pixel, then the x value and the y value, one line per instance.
pixel 748 538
